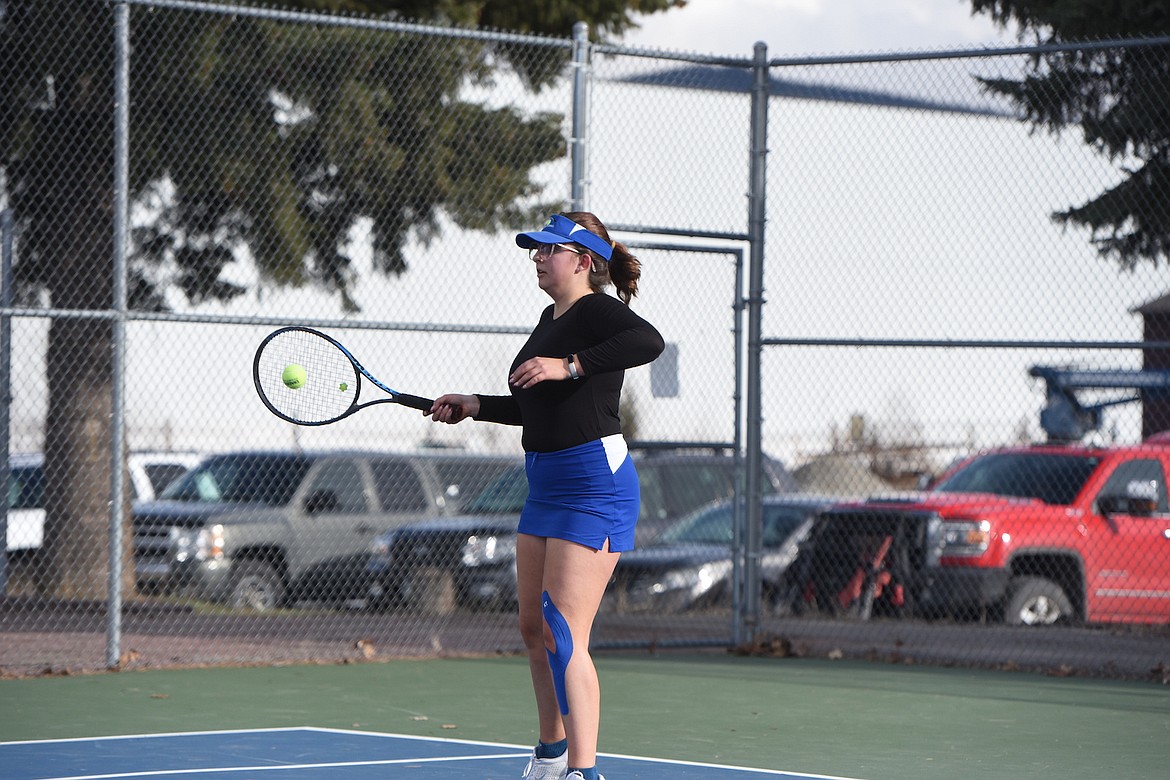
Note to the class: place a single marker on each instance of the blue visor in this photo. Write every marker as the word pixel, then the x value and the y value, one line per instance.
pixel 562 230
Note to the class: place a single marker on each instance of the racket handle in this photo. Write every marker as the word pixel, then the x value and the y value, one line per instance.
pixel 415 402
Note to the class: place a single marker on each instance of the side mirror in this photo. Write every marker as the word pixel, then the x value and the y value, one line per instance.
pixel 1126 505
pixel 321 501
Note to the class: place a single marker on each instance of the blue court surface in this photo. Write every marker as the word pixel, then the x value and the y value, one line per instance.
pixel 312 754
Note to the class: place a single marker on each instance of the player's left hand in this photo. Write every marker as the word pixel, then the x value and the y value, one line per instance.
pixel 538 369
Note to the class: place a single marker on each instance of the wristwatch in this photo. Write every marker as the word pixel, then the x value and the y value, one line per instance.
pixel 573 374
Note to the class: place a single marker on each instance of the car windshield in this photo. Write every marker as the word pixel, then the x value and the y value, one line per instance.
pixel 713 526
pixel 269 480
pixel 506 495
pixel 163 474
pixel 1054 478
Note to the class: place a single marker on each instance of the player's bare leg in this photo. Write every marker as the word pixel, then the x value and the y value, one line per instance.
pixel 530 566
pixel 575 578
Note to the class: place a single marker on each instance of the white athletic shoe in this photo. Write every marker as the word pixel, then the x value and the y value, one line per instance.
pixel 547 768
pixel 579 776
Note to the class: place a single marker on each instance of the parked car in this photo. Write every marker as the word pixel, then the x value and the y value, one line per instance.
pixel 148 474
pixel 690 565
pixel 470 560
pixel 259 529
pixel 153 472
pixel 1028 535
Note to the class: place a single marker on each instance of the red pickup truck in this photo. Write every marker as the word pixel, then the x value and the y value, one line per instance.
pixel 1028 535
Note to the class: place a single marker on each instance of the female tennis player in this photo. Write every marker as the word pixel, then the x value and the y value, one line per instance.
pixel 582 488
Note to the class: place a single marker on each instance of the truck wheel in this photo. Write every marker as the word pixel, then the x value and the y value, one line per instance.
pixel 1035 601
pixel 257 586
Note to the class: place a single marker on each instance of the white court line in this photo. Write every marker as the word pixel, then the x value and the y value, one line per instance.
pixel 275 729
pixel 280 768
pixel 622 756
pixel 162 735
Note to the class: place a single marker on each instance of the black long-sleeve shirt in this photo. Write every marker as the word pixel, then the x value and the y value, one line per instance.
pixel 607 338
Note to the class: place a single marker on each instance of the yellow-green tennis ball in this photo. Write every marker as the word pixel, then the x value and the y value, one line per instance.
pixel 294 376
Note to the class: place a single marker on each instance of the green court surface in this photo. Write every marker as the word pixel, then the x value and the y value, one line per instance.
pixel 838 718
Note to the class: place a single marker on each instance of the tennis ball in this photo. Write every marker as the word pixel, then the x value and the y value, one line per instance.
pixel 294 376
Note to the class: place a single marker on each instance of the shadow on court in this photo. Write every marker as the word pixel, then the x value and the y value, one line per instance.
pixel 787 716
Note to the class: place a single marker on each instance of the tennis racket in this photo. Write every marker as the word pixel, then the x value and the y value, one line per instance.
pixel 308 378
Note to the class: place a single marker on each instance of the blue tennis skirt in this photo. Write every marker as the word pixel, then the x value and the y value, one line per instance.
pixel 584 494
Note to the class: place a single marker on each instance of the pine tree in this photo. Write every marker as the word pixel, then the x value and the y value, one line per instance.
pixel 1119 98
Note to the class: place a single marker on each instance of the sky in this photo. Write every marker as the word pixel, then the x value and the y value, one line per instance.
pixel 796 27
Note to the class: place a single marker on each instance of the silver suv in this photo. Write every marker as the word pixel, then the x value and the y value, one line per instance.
pixel 258 529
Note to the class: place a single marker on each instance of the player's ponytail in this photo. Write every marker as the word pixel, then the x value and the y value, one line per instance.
pixel 623 269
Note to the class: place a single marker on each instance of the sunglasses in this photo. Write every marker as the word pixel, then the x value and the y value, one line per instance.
pixel 548 250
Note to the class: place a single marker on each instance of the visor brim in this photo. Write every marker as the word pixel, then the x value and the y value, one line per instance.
pixel 561 230
pixel 537 237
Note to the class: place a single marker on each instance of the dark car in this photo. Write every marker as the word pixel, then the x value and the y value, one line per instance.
pixel 690 565
pixel 470 559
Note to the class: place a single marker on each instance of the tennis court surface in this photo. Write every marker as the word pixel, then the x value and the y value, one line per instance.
pixel 301 753
pixel 674 716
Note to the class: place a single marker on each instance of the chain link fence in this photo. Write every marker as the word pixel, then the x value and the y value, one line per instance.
pixel 919 305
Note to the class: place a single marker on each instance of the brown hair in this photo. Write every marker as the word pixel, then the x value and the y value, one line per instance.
pixel 623 269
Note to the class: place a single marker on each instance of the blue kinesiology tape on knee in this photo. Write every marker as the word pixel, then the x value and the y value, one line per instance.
pixel 558 660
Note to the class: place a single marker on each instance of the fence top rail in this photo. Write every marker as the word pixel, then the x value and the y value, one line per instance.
pixel 984 52
pixel 358 21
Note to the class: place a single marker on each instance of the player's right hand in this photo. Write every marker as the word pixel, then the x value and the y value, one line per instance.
pixel 453 408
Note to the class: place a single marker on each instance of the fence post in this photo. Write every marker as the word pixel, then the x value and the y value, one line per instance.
pixel 739 497
pixel 757 189
pixel 578 187
pixel 6 245
pixel 117 424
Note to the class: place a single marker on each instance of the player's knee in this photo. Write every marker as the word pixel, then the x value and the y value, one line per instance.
pixel 560 649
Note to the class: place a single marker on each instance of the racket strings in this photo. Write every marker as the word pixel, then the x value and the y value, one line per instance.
pixel 331 383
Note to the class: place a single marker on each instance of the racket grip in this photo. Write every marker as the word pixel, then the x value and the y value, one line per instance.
pixel 415 402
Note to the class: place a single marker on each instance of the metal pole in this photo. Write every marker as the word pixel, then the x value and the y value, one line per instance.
pixel 117 424
pixel 578 142
pixel 739 505
pixel 756 222
pixel 6 230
